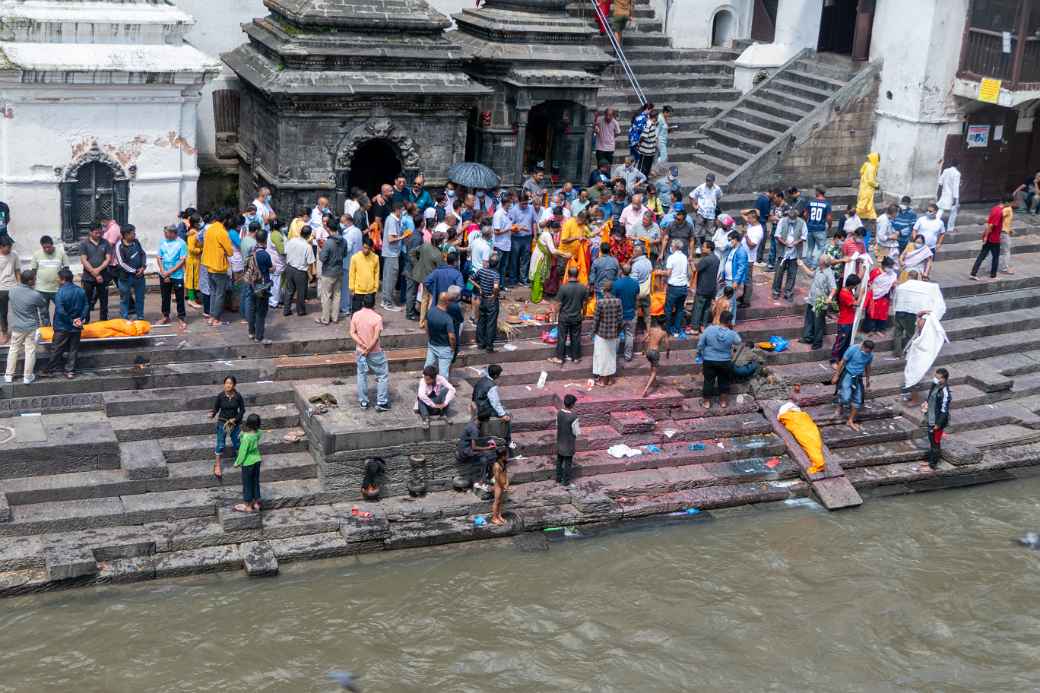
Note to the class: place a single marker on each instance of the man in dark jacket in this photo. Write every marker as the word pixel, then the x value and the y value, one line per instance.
pixel 937 408
pixel 424 259
pixel 488 403
pixel 70 312
pixel 567 432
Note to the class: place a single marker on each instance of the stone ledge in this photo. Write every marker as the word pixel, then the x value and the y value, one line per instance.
pixel 259 559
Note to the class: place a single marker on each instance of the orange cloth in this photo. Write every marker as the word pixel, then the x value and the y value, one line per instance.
pixel 106 329
pixel 806 432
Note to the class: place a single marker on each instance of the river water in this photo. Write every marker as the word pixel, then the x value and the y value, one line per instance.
pixel 921 593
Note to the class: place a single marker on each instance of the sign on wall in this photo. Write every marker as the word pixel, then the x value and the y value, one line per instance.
pixel 978 136
pixel 989 90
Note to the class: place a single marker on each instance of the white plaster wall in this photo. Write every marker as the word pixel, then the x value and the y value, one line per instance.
pixel 690 21
pixel 919 43
pixel 47 129
pixel 218 29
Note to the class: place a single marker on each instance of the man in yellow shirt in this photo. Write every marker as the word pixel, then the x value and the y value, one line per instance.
pixel 364 274
pixel 216 249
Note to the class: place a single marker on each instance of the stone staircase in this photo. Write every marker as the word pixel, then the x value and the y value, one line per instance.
pixel 737 139
pixel 697 84
pixel 111 480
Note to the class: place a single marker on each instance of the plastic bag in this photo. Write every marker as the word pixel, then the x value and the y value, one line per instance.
pixel 551 336
pixel 779 344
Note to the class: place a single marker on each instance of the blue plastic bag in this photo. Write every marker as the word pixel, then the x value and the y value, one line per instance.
pixel 779 344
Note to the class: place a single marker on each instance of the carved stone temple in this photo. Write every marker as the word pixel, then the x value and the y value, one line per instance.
pixel 340 94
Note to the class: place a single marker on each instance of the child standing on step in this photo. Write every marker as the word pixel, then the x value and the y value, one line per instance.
pixel 249 460
pixel 501 478
pixel 567 432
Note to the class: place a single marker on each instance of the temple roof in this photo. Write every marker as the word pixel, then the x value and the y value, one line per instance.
pixel 363 16
pixel 374 47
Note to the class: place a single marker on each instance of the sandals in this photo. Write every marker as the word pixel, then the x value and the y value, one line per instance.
pixel 243 508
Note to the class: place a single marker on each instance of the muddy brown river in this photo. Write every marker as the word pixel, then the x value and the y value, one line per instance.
pixel 913 593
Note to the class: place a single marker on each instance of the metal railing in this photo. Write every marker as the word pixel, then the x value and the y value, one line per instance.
pixel 619 52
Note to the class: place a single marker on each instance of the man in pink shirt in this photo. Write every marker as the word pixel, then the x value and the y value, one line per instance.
pixel 607 131
pixel 366 326
pixel 633 214
pixel 434 396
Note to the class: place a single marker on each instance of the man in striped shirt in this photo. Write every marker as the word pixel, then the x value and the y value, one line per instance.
pixel 488 283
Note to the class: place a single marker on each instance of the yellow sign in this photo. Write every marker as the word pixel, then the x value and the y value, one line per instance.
pixel 989 90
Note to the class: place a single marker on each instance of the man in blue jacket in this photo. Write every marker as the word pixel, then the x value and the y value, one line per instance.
pixel 734 268
pixel 70 312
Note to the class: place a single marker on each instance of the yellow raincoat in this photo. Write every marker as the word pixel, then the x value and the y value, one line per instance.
pixel 868 185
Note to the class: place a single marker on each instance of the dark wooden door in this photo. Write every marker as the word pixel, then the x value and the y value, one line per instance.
pixel 95 196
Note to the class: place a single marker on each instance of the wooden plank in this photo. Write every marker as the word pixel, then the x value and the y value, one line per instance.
pixel 836 493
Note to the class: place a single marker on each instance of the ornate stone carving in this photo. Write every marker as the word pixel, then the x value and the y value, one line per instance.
pixel 94 154
pixel 384 129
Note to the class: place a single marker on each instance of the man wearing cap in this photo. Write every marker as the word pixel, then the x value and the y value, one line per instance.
pixel 705 200
pixel 669 189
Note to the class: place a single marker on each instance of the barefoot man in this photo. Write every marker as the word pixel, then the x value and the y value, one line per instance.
pixel 852 378
pixel 656 340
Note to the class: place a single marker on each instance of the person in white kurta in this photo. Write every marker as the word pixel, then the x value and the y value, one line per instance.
pixel 950 194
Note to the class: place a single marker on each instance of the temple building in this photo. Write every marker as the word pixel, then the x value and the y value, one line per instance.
pixel 98 102
pixel 339 94
pixel 544 66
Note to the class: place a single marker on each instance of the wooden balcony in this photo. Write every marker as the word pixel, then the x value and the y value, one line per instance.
pixel 1001 42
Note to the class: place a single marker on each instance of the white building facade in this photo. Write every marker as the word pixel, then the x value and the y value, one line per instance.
pixel 99 106
pixel 960 79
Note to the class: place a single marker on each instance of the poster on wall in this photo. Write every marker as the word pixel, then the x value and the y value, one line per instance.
pixel 978 136
pixel 989 90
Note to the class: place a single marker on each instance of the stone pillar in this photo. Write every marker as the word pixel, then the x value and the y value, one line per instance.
pixel 798 24
pixel 797 28
pixel 521 142
pixel 586 151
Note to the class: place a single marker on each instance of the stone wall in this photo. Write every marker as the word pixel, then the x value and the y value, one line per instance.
pixel 831 154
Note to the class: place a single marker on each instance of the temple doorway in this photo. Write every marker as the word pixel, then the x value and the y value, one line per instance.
pixel 555 139
pixel 375 162
pixel 845 28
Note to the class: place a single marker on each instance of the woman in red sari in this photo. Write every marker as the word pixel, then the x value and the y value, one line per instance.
pixel 879 299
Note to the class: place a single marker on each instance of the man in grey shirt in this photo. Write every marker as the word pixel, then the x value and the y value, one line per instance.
pixel 28 312
pixel 605 269
pixel 789 235
pixel 823 287
pixel 642 270
pixel 391 252
pixel 330 283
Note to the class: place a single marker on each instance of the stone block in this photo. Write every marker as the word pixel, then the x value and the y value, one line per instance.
pixel 310 547
pixel 289 522
pixel 58 444
pixel 122 570
pixel 69 562
pixel 5 508
pixel 110 543
pixel 836 493
pixel 143 459
pixel 343 471
pixel 209 559
pixel 357 530
pixel 593 502
pixel 534 519
pixel 170 505
pixel 625 422
pixel 959 453
pixel 233 521
pixel 17 553
pixel 64 517
pixel 259 559
pixel 205 532
pixel 446 531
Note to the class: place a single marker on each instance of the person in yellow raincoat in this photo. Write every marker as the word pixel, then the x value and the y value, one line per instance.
pixel 868 185
pixel 191 265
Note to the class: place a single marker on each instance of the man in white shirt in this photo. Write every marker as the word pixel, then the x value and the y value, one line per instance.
pixel 753 235
pixel 632 214
pixel 264 210
pixel 480 249
pixel 678 286
pixel 502 228
pixel 932 228
pixel 705 200
pixel 318 215
pixel 949 194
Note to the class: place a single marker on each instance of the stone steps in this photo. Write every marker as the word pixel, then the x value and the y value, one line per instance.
pixel 194 423
pixel 182 476
pixel 200 447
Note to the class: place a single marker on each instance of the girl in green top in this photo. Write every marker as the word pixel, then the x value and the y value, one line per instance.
pixel 249 460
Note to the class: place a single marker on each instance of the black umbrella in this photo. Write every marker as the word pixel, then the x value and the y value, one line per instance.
pixel 473 175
